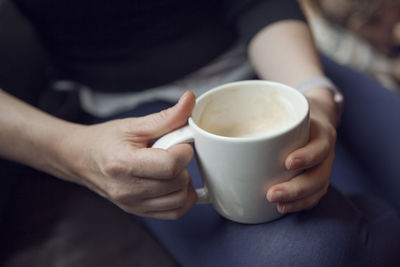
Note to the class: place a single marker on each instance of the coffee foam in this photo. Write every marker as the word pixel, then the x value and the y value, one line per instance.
pixel 243 116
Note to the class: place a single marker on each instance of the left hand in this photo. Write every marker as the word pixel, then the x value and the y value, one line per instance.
pixel 316 159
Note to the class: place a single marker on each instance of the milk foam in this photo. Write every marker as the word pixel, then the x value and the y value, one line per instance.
pixel 248 117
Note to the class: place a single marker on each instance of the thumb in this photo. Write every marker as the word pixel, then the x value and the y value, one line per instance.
pixel 167 120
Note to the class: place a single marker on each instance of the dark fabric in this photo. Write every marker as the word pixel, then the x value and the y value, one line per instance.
pixel 49 222
pixel 254 18
pixel 356 229
pixel 340 231
pixel 370 129
pixel 22 61
pixel 343 230
pixel 130 45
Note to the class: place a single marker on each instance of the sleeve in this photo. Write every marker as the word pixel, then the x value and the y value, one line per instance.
pixel 251 16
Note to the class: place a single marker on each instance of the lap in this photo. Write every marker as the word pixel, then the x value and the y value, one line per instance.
pixel 345 229
pixel 339 231
pixel 350 230
pixel 370 128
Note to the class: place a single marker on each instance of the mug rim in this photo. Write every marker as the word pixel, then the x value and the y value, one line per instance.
pixel 267 136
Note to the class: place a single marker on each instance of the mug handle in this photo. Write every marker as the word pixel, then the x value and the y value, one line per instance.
pixel 182 135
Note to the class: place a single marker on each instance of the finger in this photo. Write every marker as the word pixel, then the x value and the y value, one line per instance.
pixel 175 213
pixel 139 189
pixel 302 204
pixel 165 187
pixel 161 164
pixel 316 151
pixel 172 201
pixel 158 124
pixel 303 185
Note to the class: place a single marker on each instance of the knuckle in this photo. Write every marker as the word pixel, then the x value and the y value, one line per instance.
pixel 174 215
pixel 325 189
pixel 143 191
pixel 137 181
pixel 171 167
pixel 183 179
pixel 189 153
pixel 126 209
pixel 124 195
pixel 298 192
pixel 181 200
pixel 325 149
pixel 332 133
pixel 114 168
pixel 164 114
pixel 139 209
pixel 320 154
pixel 130 210
pixel 116 194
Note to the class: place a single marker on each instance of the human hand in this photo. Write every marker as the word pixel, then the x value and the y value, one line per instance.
pixel 315 159
pixel 114 160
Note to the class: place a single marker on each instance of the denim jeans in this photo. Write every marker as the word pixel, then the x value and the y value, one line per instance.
pixel 353 225
pixel 356 223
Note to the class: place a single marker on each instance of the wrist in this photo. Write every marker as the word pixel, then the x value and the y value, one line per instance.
pixel 321 82
pixel 32 137
pixel 61 152
pixel 323 105
pixel 322 92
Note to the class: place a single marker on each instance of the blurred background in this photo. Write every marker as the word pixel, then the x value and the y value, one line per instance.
pixel 364 34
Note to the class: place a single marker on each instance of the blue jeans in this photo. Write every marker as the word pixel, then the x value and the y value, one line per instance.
pixel 353 225
pixel 356 229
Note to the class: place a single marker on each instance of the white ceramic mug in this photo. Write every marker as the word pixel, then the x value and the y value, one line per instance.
pixel 237 171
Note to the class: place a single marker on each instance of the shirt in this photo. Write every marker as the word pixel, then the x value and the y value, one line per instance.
pixel 131 45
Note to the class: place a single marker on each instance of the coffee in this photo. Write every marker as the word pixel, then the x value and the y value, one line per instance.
pixel 248 116
pixel 237 172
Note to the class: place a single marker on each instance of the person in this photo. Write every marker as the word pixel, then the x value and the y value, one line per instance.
pixel 127 60
pixel 367 40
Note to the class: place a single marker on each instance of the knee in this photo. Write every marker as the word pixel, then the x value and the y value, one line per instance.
pixel 335 233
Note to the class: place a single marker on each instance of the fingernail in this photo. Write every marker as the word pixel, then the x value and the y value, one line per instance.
pixel 276 196
pixel 281 208
pixel 294 164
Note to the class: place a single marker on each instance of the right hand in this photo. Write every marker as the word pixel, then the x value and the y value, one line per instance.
pixel 114 159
